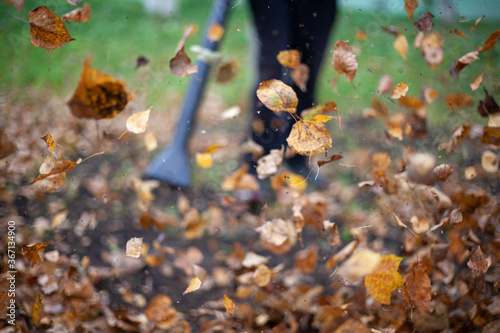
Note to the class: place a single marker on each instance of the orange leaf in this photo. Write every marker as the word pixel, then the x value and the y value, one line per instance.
pixel 300 76
pixel 49 140
pixel 457 137
pixel 458 101
pixel 476 23
pixel 161 312
pixel 417 287
pixel 277 96
pixel 331 159
pixel 204 160
pixel 410 6
pixel 215 32
pixel 477 262
pixel 78 14
pixel 37 309
pixel 400 90
pixel 305 260
pixel 401 45
pixel 61 167
pixel 193 286
pixel 47 30
pixel 309 138
pixel 342 254
pixel 460 33
pixel 6 146
pixel 344 61
pixel 229 305
pixel 34 253
pixel 384 279
pixel 289 58
pixel 490 41
pixel 98 95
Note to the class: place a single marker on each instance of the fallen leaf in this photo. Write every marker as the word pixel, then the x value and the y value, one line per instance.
pixel 443 171
pixel 489 161
pixel 79 14
pixel 193 286
pixel 226 71
pixel 305 260
pixel 417 287
pixel 57 169
pixel 161 312
pixel 457 137
pixel 332 231
pixel 460 34
pixel 268 165
pixel 240 180
pixel 477 82
pixel 138 122
pixel 385 85
pixel 488 105
pixel 262 275
pixel 229 305
pixel 458 101
pixel 34 253
pixel 400 90
pixel 477 262
pixel 344 61
pixel 476 23
pixel 289 58
pixel 204 160
pixel 384 279
pixel 37 309
pixel 277 96
pixel 300 76
pixel 49 140
pixel 181 65
pixel 215 32
pixel 278 236
pixel 309 138
pixel 47 30
pixel 98 95
pixel 490 41
pixel 141 61
pixel 6 146
pixel 432 49
pixel 381 160
pixel 410 6
pixel 332 159
pixel 134 247
pixel 401 45
pixel 424 23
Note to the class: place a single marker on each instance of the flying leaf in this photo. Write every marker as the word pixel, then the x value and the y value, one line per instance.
pixel 344 61
pixel 491 136
pixel 401 45
pixel 181 65
pixel 400 90
pixel 300 76
pixel 488 105
pixel 215 32
pixel 19 4
pixel 277 96
pixel 442 171
pixel 262 275
pixel 141 61
pixel 424 23
pixel 464 61
pixel 476 23
pixel 477 262
pixel 73 2
pixel 477 82
pixel 305 260
pixel 361 35
pixel 458 101
pixel 309 138
pixel 6 146
pixel 460 33
pixel 490 161
pixel 381 160
pixel 278 236
pixel 342 254
pixel 289 58
pixel 417 287
pixel 134 247
pixel 385 85
pixel 432 49
pixel 37 309
pixel 360 264
pixel 193 286
pixel 430 95
pixel 490 41
pixel 240 180
pixel 332 159
pixel 400 223
pixel 47 30
pixel 54 171
pixel 98 95
pixel 226 71
pixel 79 14
pixel 384 279
pixel 161 312
pixel 311 113
pixel 34 253
pixel 49 140
pixel 138 122
pixel 204 160
pixel 269 164
pixel 229 305
pixel 457 137
pixel 410 6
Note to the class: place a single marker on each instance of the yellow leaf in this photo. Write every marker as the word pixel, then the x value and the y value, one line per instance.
pixel 277 96
pixel 400 90
pixel 37 309
pixel 401 45
pixel 319 118
pixel 289 58
pixel 262 275
pixel 229 305
pixel 204 160
pixel 49 140
pixel 193 286
pixel 309 138
pixel 138 122
pixel 134 247
pixel 34 253
pixel 384 279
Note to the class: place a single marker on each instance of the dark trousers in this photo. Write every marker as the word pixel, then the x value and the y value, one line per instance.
pixel 283 25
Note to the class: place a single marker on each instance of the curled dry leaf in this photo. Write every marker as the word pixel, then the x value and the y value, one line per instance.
pixel 477 262
pixel 460 34
pixel 490 161
pixel 226 71
pixel 417 287
pixel 277 96
pixel 229 305
pixel 410 6
pixel 34 253
pixel 430 95
pixel 6 146
pixel 331 159
pixel 400 90
pixel 289 58
pixel 309 138
pixel 464 61
pixel 344 61
pixel 161 312
pixel 311 113
pixel 472 28
pixel 488 105
pixel 193 286
pixel 401 45
pixel 36 310
pixel 215 32
pixel 300 76
pixel 491 136
pixel 98 95
pixel 278 236
pixel 490 41
pixel 443 171
pixel 79 14
pixel 477 82
pixel 400 223
pixel 54 171
pixel 181 64
pixel 384 279
pixel 47 30
pixel 457 137
pixel 458 101
pixel 385 85
pixel 134 247
pixel 138 122
pixel 342 254
pixel 424 23
pixel 49 140
pixel 432 49
pixel 262 275
pixel 268 165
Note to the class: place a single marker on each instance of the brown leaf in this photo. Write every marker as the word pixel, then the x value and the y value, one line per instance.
pixel 300 76
pixel 229 305
pixel 432 49
pixel 240 180
pixel 49 140
pixel 457 137
pixel 491 136
pixel 310 113
pixel 262 275
pixel 410 6
pixel 19 4
pixel 226 71
pixel 443 171
pixel 138 122
pixel 490 161
pixel 476 23
pixel 278 236
pixel 464 61
pixel 181 65
pixel 488 105
pixel 98 95
pixel 457 101
pixel 34 253
pixel 384 279
pixel 400 90
pixel 215 32
pixel 305 260
pixel 460 33
pixel 490 41
pixel 47 30
pixel 141 61
pixel 342 254
pixel 381 160
pixel 193 286
pixel 477 262
pixel 385 85
pixel 391 30
pixel 6 146
pixel 79 14
pixel 400 223
pixel 401 45
pixel 417 287
pixel 424 23
pixel 332 159
pixel 37 309
pixel 344 61
pixel 309 138
pixel 289 58
pixel 53 167
pixel 277 96
pixel 161 312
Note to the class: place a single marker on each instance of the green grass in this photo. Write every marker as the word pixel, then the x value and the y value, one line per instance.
pixel 119 32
